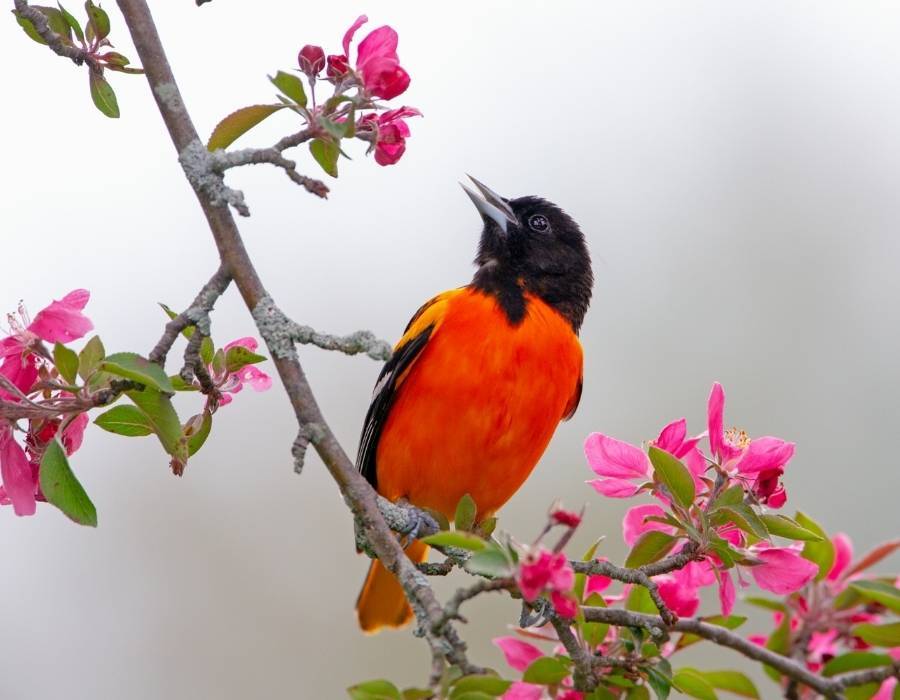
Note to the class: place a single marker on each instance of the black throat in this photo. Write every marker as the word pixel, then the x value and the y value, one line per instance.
pixel 504 286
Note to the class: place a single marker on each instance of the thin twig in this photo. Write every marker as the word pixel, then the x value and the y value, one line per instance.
pixel 224 160
pixel 56 42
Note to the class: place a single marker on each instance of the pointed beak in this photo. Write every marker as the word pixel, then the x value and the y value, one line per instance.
pixel 491 205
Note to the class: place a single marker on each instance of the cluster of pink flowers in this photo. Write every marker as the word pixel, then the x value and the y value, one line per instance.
pixel 827 614
pixel 378 74
pixel 755 465
pixel 33 388
pixel 25 361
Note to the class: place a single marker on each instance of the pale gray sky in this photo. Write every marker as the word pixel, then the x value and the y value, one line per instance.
pixel 734 166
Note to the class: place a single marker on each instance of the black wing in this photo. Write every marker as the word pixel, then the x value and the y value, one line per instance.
pixel 382 400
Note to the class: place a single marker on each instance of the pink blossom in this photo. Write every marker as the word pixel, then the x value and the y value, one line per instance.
pixel 736 451
pixel 726 591
pixel 635 522
pixel 233 382
pixel 597 583
pixel 619 463
pixel 377 63
pixel 843 555
pixel 18 474
pixel 60 322
pixel 338 66
pixel 523 691
pixel 682 599
pixel 543 570
pixel 674 440
pixel 564 603
pixel 782 571
pixel 519 655
pixel 391 132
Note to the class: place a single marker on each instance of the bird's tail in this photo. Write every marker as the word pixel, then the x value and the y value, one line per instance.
pixel 381 601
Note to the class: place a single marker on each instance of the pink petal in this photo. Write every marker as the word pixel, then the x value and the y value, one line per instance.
pixel 248 342
pixel 783 570
pixel 634 524
pixel 73 435
pixel 726 591
pixel 258 380
pixel 672 436
pixel 610 457
pixel 614 488
pixel 380 44
pixel 697 574
pixel 393 115
pixel 765 453
pixel 886 691
pixel 21 370
pixel 715 415
pixel 62 321
pixel 565 605
pixel 18 476
pixel 523 691
pixel 348 35
pixel 519 655
pixel 682 600
pixel 843 554
pixel 562 577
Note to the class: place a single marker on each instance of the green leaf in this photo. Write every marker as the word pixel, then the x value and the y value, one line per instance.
pixel 98 21
pixel 731 496
pixel 491 562
pixel 486 527
pixel 196 430
pixel 375 690
pixel 878 635
pixel 290 85
pixel 492 686
pixel 466 510
pixel 187 331
pixel 650 547
pixel 326 154
pixel 162 416
pixel 766 603
pixel 90 356
pixel 61 488
pixel 125 420
pixel 660 681
pixel 862 692
pixel 691 682
pixel 880 592
pixel 132 366
pixel 639 600
pixel 732 681
pixel 474 695
pixel 783 526
pixel 238 357
pixel 72 22
pixel 821 552
pixel 417 694
pixel 55 20
pixel 103 95
pixel 638 692
pixel 855 661
pixel 745 518
pixel 208 350
pixel 463 540
pixel 335 129
pixel 676 477
pixel 238 123
pixel 66 362
pixel 547 670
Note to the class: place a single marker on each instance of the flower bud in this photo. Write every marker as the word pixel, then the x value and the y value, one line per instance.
pixel 311 59
pixel 338 66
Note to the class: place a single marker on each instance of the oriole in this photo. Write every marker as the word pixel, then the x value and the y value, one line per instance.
pixel 480 379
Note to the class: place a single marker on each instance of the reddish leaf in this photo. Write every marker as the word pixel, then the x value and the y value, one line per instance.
pixel 873 557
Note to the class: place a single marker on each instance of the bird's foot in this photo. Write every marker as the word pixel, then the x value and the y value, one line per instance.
pixel 410 522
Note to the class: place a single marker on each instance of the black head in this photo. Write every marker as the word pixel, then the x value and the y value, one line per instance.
pixel 531 245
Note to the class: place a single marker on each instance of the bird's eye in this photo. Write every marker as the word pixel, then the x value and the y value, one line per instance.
pixel 538 223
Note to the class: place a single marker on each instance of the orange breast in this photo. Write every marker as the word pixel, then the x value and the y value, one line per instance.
pixel 479 406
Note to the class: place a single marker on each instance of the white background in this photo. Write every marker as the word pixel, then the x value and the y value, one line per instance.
pixel 734 166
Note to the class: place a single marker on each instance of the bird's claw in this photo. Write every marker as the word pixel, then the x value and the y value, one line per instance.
pixel 419 523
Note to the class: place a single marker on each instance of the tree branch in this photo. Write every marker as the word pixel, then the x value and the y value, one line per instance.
pixel 828 687
pixel 356 490
pixel 197 314
pixel 56 43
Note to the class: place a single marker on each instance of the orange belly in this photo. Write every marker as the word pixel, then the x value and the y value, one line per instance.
pixel 479 406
